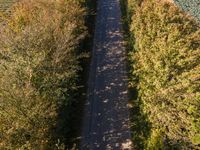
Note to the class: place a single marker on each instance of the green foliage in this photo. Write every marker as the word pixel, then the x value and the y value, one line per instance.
pixel 129 9
pixel 166 61
pixel 39 65
pixel 155 141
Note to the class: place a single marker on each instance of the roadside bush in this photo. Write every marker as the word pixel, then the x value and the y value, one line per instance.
pixel 166 61
pixel 39 65
pixel 128 8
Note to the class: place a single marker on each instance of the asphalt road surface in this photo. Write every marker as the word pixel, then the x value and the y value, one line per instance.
pixel 106 120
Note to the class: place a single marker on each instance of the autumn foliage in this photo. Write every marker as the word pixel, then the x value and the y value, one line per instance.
pixel 166 65
pixel 39 64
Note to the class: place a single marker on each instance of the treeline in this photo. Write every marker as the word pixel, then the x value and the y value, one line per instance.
pixel 39 72
pixel 165 69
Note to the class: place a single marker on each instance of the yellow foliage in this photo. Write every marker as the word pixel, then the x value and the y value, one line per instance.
pixel 167 63
pixel 39 65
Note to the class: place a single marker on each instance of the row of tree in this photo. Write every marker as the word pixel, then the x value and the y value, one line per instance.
pixel 191 7
pixel 166 71
pixel 39 65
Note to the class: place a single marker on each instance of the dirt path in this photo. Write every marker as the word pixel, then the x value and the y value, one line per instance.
pixel 106 115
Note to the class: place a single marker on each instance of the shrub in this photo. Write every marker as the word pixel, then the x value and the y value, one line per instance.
pixel 167 64
pixel 39 65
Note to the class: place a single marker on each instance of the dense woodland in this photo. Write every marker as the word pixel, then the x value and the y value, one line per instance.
pixel 165 58
pixel 39 72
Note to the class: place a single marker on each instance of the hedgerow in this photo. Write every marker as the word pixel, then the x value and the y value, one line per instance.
pixel 166 65
pixel 39 65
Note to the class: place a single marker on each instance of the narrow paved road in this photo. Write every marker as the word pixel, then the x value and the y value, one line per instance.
pixel 106 121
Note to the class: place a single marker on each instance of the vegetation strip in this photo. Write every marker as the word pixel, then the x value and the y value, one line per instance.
pixel 165 71
pixel 40 64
